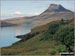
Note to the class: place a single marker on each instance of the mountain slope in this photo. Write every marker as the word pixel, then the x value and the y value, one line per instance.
pixel 43 40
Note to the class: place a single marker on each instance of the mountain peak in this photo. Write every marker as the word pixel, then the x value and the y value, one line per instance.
pixel 56 8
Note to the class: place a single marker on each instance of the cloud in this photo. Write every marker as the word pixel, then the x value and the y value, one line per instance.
pixel 36 13
pixel 18 12
pixel 32 14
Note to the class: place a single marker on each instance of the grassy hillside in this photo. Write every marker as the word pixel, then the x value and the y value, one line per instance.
pixel 49 39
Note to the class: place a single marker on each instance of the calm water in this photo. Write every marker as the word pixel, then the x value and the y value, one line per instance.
pixel 8 34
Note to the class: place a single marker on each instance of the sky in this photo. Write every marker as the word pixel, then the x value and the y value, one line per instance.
pixel 20 8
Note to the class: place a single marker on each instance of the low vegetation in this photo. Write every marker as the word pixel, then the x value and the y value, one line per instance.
pixel 49 39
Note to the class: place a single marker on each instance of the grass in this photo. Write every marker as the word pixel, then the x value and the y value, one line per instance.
pixel 39 44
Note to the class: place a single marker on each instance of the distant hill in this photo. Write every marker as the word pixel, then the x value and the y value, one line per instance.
pixel 54 12
pixel 6 24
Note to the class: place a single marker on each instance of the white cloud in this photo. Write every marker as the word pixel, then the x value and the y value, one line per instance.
pixel 33 14
pixel 36 13
pixel 18 12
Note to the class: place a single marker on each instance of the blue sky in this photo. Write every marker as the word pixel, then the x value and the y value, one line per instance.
pixel 18 8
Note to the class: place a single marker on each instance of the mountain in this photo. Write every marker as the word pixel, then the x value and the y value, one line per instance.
pixel 54 12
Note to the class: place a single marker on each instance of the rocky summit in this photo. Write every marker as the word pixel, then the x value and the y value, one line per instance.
pixel 57 8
